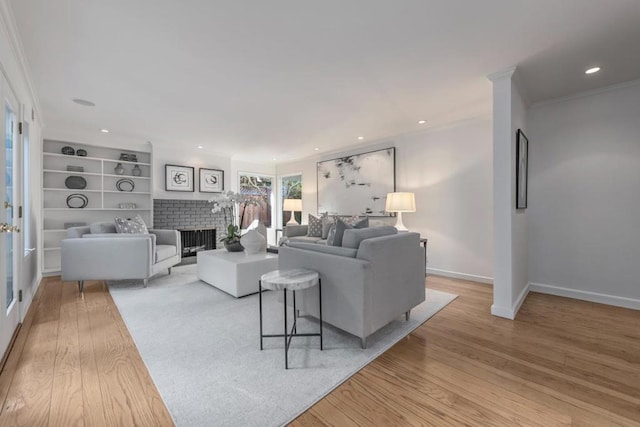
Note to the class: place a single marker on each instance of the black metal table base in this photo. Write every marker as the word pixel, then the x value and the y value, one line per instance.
pixel 294 332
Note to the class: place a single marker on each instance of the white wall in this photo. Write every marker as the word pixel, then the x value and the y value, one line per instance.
pixel 584 203
pixel 449 170
pixel 510 224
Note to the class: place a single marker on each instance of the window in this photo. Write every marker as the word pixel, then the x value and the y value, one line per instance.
pixel 291 188
pixel 259 191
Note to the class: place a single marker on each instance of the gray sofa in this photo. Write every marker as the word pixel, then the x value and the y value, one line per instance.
pixel 376 276
pixel 97 252
pixel 298 233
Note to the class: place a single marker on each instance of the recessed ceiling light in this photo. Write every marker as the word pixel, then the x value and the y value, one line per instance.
pixel 361 138
pixel 592 70
pixel 421 122
pixel 83 102
pixel 274 159
pixel 200 146
pixel 104 130
pixel 316 149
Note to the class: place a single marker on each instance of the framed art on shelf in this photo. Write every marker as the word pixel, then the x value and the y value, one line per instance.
pixel 211 180
pixel 178 178
pixel 522 167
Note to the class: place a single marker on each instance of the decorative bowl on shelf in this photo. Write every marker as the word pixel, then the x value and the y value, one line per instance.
pixel 77 201
pixel 69 151
pixel 75 182
pixel 125 184
pixel 82 153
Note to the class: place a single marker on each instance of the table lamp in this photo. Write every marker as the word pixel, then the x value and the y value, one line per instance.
pixel 400 202
pixel 293 205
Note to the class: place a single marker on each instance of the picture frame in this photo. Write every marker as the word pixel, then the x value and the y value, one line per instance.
pixel 178 178
pixel 211 180
pixel 356 184
pixel 522 169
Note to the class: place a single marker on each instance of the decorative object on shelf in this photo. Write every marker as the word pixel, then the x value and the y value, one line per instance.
pixel 178 178
pixel 127 206
pixel 293 205
pixel 125 184
pixel 124 157
pixel 69 151
pixel 357 184
pixel 133 158
pixel 77 201
pixel 400 202
pixel 136 171
pixel 119 169
pixel 74 224
pixel 522 167
pixel 71 168
pixel 211 180
pixel 82 153
pixel 75 182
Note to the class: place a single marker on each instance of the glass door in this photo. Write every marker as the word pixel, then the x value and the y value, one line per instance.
pixel 259 190
pixel 9 242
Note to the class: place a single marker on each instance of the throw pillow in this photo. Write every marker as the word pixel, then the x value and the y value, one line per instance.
pixel 131 226
pixel 315 227
pixel 357 222
pixel 339 232
pixel 331 235
pixel 327 222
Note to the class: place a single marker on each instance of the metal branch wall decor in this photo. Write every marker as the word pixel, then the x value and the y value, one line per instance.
pixel 357 184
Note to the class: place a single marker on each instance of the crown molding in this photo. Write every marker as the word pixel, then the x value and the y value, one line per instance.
pixel 585 94
pixel 8 19
pixel 502 74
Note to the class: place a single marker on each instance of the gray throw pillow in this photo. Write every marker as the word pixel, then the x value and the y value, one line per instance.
pixel 131 226
pixel 339 232
pixel 327 222
pixel 331 235
pixel 315 227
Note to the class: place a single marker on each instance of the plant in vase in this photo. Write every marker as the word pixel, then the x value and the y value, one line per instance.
pixel 227 203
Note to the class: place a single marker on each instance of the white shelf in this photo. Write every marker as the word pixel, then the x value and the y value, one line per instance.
pixel 97 159
pixel 125 176
pixel 71 172
pixel 126 192
pixel 94 209
pixel 73 189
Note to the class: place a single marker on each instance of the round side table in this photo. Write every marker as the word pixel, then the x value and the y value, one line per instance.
pixel 292 280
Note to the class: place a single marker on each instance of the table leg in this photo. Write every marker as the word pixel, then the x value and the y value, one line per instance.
pixel 295 317
pixel 286 345
pixel 260 299
pixel 320 301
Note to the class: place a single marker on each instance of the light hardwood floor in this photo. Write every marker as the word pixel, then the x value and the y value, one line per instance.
pixel 562 362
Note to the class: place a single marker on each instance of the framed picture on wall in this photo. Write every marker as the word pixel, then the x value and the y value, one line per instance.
pixel 211 180
pixel 522 169
pixel 178 178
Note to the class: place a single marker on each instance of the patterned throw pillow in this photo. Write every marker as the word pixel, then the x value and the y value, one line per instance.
pixel 131 226
pixel 357 222
pixel 315 227
pixel 331 235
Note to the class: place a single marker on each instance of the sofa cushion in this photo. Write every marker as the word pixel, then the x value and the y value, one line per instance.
pixel 315 226
pixel 165 251
pixel 332 250
pixel 353 237
pixel 304 239
pixel 102 228
pixel 341 227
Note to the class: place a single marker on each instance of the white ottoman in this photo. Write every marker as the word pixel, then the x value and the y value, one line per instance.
pixel 236 273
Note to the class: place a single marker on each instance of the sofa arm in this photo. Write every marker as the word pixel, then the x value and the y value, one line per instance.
pixel 167 237
pixel 295 230
pixel 107 258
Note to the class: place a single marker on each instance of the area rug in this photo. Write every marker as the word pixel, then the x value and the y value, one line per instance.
pixel 202 349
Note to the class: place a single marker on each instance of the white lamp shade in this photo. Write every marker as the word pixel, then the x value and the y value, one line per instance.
pixel 400 202
pixel 294 205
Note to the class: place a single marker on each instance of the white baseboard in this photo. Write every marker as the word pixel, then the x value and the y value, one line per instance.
pixel 511 312
pixel 463 276
pixel 586 296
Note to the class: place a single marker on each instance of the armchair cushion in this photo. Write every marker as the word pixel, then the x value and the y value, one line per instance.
pixel 103 227
pixel 352 238
pixel 165 251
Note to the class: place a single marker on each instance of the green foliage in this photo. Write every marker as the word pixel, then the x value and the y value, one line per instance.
pixel 232 235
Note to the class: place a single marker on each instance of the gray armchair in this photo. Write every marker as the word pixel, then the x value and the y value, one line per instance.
pixel 97 252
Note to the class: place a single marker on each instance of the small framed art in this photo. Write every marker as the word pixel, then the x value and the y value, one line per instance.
pixel 522 168
pixel 211 180
pixel 178 178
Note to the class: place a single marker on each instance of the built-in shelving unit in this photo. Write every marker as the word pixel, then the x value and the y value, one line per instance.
pixel 104 198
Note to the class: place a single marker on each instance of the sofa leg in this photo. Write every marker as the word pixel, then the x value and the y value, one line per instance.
pixel 363 342
pixel 81 286
pixel 407 315
pixel 144 282
pixel 169 271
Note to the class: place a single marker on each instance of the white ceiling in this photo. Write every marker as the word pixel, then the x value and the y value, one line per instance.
pixel 262 79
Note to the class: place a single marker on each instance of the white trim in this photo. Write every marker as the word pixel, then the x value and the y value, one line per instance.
pixel 597 91
pixel 8 18
pixel 586 296
pixel 511 312
pixel 463 276
pixel 505 73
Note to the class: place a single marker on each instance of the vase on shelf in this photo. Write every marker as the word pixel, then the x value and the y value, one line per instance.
pixel 136 171
pixel 253 242
pixel 119 169
pixel 233 246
